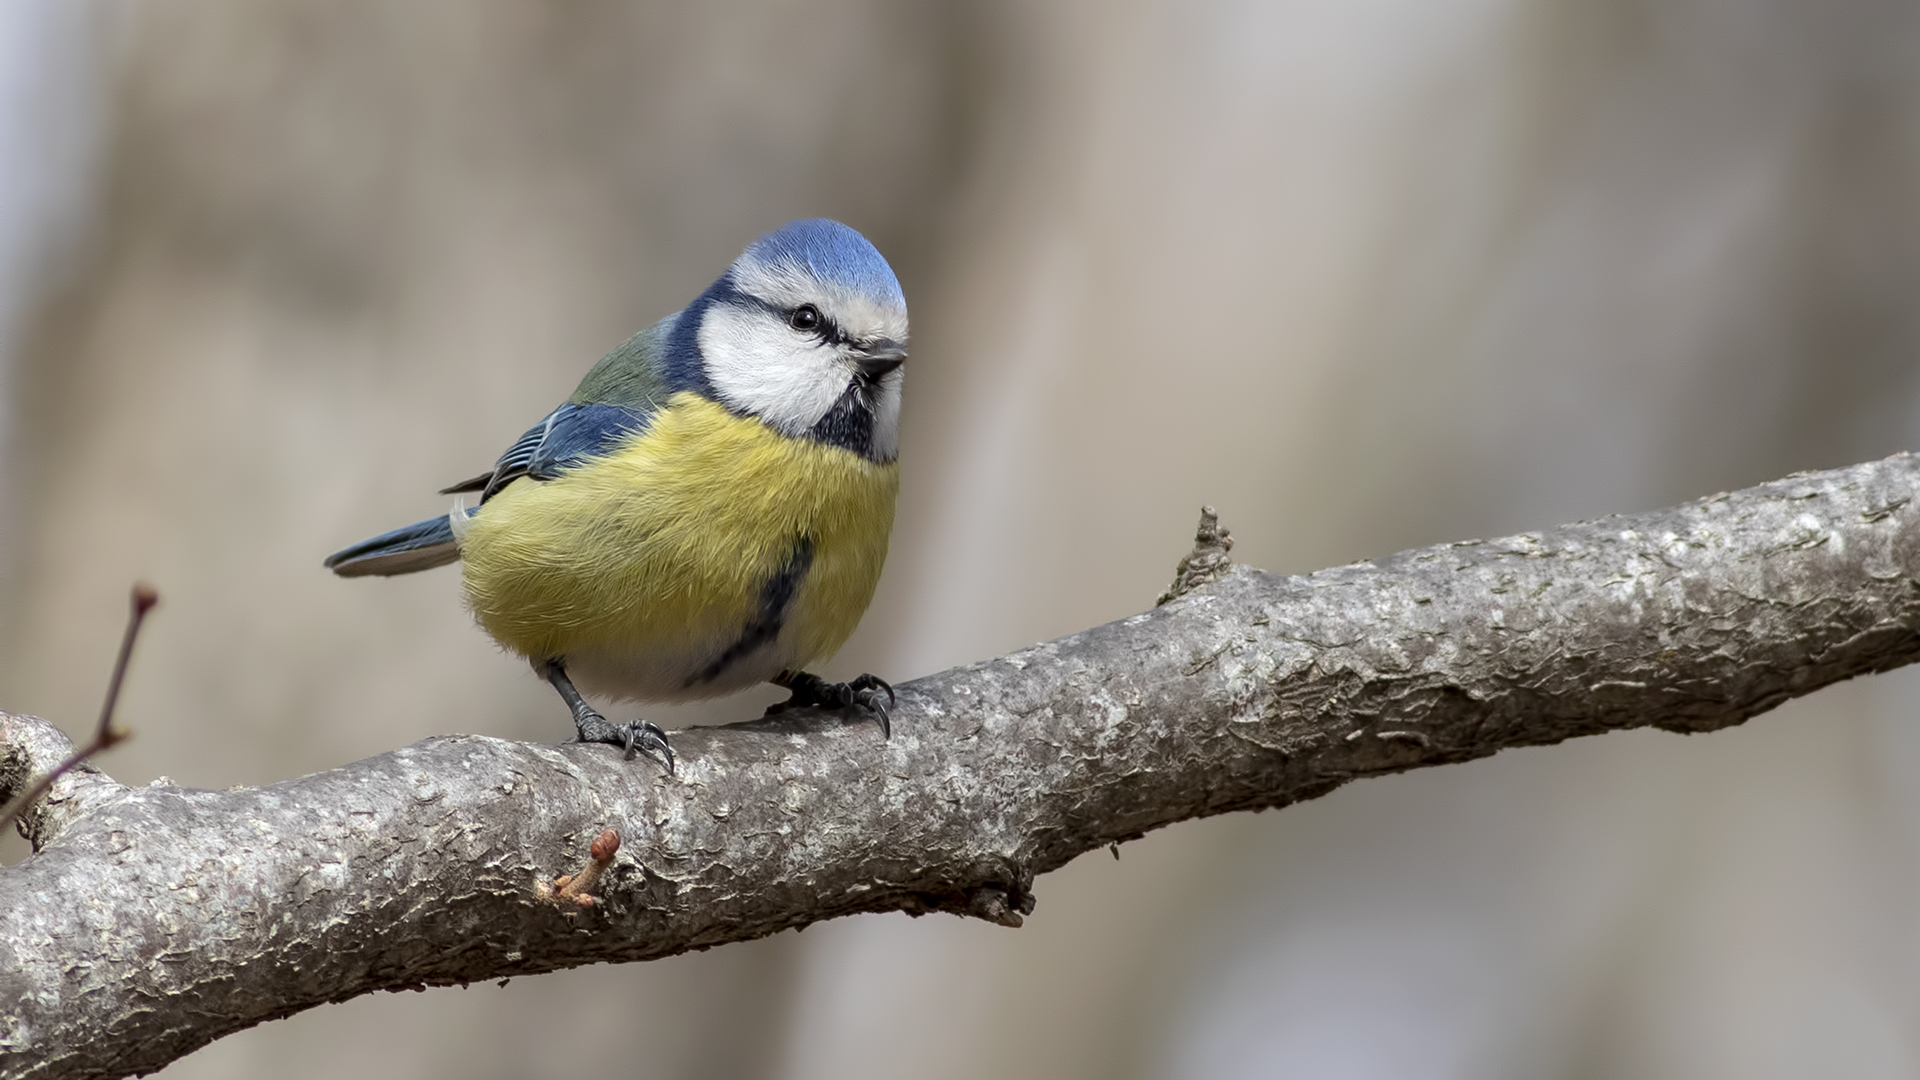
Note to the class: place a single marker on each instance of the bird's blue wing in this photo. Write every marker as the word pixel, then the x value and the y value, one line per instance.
pixel 567 436
pixel 578 432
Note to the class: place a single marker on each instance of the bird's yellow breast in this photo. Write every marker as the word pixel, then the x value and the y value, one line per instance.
pixel 661 550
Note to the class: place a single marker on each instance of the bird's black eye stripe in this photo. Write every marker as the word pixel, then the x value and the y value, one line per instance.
pixel 821 326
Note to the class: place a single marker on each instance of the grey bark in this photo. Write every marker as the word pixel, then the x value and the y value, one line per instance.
pixel 153 920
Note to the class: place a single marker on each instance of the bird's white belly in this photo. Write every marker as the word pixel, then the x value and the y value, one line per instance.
pixel 676 675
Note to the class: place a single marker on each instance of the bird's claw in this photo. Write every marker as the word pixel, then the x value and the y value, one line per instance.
pixel 635 737
pixel 641 735
pixel 812 691
pixel 865 692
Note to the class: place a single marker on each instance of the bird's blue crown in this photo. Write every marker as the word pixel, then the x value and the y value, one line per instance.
pixel 833 253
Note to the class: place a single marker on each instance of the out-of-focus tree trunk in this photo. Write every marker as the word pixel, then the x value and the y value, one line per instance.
pixel 343 252
pixel 1454 268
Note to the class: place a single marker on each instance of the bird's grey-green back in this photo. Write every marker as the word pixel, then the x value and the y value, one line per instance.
pixel 631 375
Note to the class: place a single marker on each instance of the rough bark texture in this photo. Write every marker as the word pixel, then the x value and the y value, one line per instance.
pixel 153 920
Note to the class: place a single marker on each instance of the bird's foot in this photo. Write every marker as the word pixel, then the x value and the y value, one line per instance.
pixel 811 691
pixel 635 737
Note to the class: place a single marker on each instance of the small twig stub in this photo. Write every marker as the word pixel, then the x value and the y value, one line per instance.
pixel 577 889
pixel 1206 562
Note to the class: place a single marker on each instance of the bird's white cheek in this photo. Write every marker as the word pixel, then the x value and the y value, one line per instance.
pixel 758 366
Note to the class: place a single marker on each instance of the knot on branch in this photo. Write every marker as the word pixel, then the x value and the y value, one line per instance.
pixel 1002 906
pixel 44 783
pixel 29 748
pixel 1206 562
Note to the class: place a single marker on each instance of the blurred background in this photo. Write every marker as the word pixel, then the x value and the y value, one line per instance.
pixel 1365 274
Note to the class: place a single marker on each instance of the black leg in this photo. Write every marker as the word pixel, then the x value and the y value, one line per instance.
pixel 592 727
pixel 810 691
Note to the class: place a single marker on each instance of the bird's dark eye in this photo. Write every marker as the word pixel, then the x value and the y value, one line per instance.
pixel 805 318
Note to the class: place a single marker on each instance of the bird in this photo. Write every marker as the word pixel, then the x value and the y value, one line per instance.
pixel 710 510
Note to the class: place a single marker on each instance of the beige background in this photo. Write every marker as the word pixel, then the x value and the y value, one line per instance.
pixel 1363 273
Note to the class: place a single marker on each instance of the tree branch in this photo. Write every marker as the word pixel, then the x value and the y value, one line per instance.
pixel 154 920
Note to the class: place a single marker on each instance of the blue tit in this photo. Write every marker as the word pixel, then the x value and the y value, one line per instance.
pixel 710 509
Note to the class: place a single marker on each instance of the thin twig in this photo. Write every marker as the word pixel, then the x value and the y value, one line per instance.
pixel 106 735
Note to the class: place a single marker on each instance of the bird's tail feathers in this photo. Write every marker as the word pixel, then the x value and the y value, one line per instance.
pixel 420 546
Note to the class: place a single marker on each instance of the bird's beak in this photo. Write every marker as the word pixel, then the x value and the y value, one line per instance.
pixel 880 357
